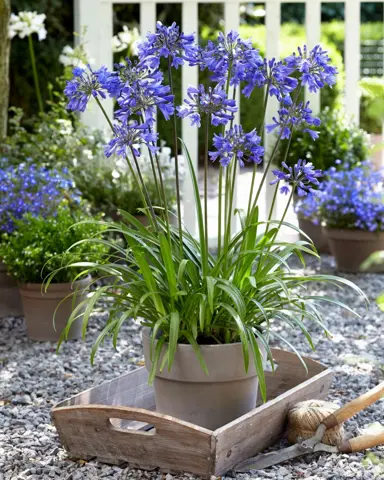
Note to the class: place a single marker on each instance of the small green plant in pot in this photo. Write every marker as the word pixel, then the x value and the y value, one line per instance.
pixel 340 141
pixel 208 318
pixel 352 208
pixel 38 245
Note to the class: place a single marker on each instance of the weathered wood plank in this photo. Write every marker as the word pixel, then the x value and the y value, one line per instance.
pixel 262 427
pixel 177 445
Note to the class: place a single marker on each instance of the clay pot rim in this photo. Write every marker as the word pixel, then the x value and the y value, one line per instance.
pixel 352 234
pixel 67 286
pixel 147 330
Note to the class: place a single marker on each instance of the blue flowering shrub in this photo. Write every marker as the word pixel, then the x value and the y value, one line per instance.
pixel 353 199
pixel 40 244
pixel 171 280
pixel 30 189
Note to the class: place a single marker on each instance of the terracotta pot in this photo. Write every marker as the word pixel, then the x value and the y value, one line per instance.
pixel 10 301
pixel 352 247
pixel 315 233
pixel 210 401
pixel 39 309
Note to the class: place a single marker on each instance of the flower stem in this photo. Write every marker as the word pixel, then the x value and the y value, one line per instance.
pixel 35 76
pixel 206 180
pixel 231 186
pixel 261 130
pixel 104 113
pixel 176 149
pixel 145 191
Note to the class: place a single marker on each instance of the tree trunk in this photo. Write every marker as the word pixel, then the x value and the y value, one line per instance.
pixel 5 11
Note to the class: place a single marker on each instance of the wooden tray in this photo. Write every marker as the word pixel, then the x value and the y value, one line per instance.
pixel 116 422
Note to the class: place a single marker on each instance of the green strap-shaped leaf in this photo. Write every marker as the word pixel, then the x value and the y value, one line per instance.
pixel 173 336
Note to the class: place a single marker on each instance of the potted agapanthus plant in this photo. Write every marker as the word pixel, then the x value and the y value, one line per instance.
pixel 352 207
pixel 207 319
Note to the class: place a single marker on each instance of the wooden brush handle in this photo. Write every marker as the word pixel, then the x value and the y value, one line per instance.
pixel 355 406
pixel 359 444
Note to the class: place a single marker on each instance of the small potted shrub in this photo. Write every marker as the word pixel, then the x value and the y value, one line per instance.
pixel 340 141
pixel 26 188
pixel 39 244
pixel 352 208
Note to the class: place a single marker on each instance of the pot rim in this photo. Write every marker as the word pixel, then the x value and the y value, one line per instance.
pixel 146 331
pixel 55 286
pixel 352 233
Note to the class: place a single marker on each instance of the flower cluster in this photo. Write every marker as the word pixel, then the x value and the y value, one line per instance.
pixel 128 138
pixel 313 67
pixel 167 42
pixel 213 103
pixel 308 207
pixel 235 144
pixel 31 189
pixel 230 56
pixel 293 116
pixel 126 41
pixel 302 177
pixel 353 198
pixel 26 23
pixel 84 84
pixel 74 57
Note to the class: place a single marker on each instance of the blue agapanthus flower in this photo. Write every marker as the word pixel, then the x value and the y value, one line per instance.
pixel 314 67
pixel 231 56
pixel 293 116
pixel 302 177
pixel 142 97
pixel 128 139
pixel 28 188
pixel 167 42
pixel 213 103
pixel 84 84
pixel 235 144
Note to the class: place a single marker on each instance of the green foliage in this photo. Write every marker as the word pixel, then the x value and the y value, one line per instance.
pixel 54 139
pixel 372 96
pixel 339 140
pixel 109 187
pixel 189 296
pixel 40 245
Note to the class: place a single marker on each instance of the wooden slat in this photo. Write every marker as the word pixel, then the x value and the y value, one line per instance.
pixel 352 58
pixel 87 432
pixel 147 17
pixel 190 76
pixel 313 32
pixel 262 427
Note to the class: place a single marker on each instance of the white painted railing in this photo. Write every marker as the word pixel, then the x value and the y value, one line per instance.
pixel 97 17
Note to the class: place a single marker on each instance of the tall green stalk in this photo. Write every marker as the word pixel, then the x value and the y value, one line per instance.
pixel 133 173
pixel 208 118
pixel 262 134
pixel 35 76
pixel 176 150
pixel 231 172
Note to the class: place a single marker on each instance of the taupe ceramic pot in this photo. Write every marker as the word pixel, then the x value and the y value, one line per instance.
pixel 352 247
pixel 10 301
pixel 187 393
pixel 39 309
pixel 315 233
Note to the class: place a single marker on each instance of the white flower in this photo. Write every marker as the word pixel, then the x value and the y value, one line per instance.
pixel 26 23
pixel 74 57
pixel 127 40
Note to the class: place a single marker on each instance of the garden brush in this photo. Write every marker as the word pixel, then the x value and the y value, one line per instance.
pixel 314 444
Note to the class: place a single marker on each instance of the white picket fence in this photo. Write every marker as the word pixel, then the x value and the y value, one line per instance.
pixel 97 17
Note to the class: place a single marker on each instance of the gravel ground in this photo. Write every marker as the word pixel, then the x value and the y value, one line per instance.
pixel 33 378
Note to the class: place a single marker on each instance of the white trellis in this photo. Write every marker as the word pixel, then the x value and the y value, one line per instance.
pixel 97 17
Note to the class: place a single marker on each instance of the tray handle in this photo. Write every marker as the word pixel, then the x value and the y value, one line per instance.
pixel 99 417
